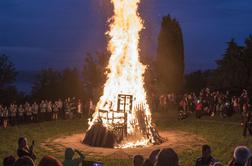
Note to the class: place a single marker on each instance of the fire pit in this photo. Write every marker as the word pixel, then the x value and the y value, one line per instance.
pixel 122 117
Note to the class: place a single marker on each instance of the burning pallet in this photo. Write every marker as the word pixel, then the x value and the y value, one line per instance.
pixel 100 136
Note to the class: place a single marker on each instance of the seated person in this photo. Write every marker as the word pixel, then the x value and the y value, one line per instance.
pixel 241 155
pixel 69 154
pixel 167 157
pixel 24 149
pixel 138 160
pixel 49 161
pixel 206 159
pixel 24 161
pixel 9 161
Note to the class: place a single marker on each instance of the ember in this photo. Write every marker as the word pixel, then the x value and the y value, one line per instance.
pixel 122 117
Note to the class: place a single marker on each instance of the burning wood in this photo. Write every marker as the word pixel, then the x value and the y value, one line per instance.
pixel 128 117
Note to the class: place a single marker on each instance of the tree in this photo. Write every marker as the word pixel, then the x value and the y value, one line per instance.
pixel 47 85
pixel 94 74
pixel 231 69
pixel 248 60
pixel 71 84
pixel 170 57
pixel 7 72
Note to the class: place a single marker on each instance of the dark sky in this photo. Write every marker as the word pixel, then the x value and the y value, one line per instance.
pixel 57 33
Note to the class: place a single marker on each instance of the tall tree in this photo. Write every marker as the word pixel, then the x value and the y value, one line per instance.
pixel 94 74
pixel 7 71
pixel 170 56
pixel 47 85
pixel 71 84
pixel 231 70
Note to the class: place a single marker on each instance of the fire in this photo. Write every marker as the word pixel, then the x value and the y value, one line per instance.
pixel 125 74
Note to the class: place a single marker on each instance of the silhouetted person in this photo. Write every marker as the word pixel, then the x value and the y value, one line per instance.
pixel 148 162
pixel 154 155
pixel 69 160
pixel 9 161
pixel 49 161
pixel 241 155
pixel 206 159
pixel 249 162
pixel 138 160
pixel 24 149
pixel 24 161
pixel 167 157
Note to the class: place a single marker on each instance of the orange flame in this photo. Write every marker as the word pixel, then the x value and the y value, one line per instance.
pixel 125 70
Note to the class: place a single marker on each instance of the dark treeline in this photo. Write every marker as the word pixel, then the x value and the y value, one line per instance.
pixel 233 72
pixel 165 72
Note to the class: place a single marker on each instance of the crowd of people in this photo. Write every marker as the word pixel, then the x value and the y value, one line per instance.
pixel 206 102
pixel 158 157
pixel 40 111
pixel 27 157
pixel 214 103
pixel 168 157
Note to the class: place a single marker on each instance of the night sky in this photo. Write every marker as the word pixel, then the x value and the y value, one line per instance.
pixel 38 34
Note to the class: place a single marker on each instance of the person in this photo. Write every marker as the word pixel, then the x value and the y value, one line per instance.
pixel 138 160
pixel 1 115
pixel 55 110
pixel 206 158
pixel 198 108
pixel 240 157
pixel 249 161
pixel 5 117
pixel 35 110
pixel 9 161
pixel 42 113
pixel 148 162
pixel 20 114
pixel 167 157
pixel 218 164
pixel 13 114
pixel 153 156
pixel 49 161
pixel 49 110
pixel 24 161
pixel 79 109
pixel 247 124
pixel 69 154
pixel 24 149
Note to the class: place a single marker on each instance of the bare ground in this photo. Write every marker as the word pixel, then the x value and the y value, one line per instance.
pixel 178 140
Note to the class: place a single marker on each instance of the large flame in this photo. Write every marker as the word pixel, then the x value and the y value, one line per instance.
pixel 125 74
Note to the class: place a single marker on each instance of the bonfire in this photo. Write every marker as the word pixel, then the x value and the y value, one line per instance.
pixel 122 116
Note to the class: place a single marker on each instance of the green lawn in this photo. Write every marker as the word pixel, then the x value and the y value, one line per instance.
pixel 222 135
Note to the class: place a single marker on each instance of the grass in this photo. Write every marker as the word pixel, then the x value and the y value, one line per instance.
pixel 222 135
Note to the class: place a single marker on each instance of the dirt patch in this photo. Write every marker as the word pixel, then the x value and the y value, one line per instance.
pixel 178 140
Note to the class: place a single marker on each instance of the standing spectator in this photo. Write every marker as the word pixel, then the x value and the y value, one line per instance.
pixel 91 108
pixel 42 110
pixel 55 111
pixel 24 149
pixel 5 117
pixel 1 115
pixel 49 110
pixel 206 159
pixel 35 111
pixel 13 114
pixel 20 114
pixel 79 109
